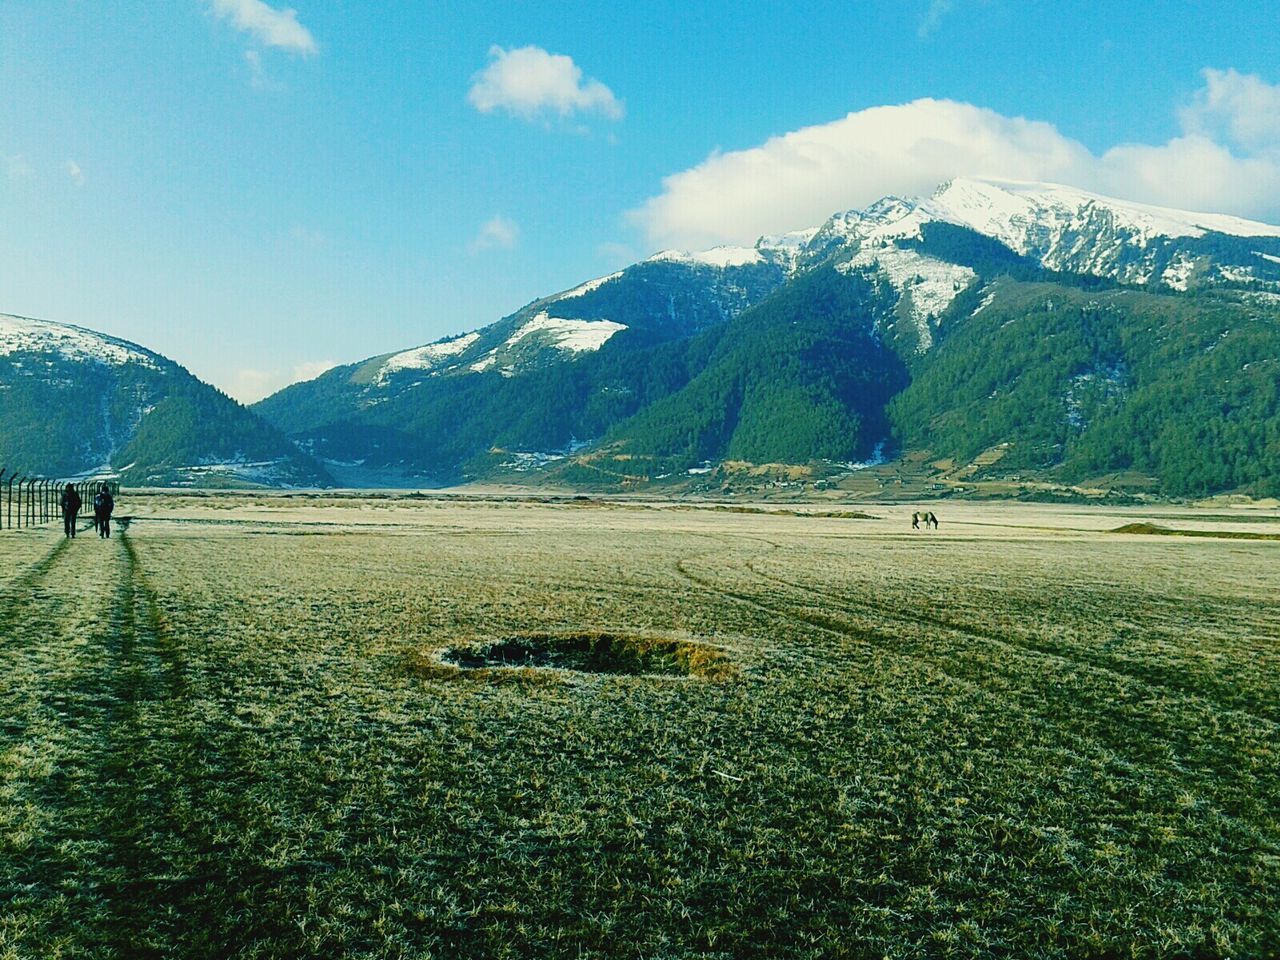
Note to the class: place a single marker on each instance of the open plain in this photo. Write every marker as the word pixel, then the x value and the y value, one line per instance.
pixel 437 727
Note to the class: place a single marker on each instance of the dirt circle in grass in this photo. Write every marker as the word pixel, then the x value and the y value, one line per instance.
pixel 593 652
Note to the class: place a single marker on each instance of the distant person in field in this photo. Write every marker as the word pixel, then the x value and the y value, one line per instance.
pixel 70 504
pixel 103 504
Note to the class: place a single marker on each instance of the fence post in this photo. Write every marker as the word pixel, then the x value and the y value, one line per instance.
pixel 3 470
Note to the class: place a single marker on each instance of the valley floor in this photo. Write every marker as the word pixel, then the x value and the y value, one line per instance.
pixel 227 731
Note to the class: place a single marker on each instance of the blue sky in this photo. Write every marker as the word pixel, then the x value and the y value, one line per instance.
pixel 257 190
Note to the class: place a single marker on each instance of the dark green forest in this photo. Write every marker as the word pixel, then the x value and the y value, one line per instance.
pixel 61 414
pixel 1185 388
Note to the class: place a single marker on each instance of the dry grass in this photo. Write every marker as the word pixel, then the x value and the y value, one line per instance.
pixel 232 735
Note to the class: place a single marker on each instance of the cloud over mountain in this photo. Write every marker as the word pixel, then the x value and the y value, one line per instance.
pixel 1225 160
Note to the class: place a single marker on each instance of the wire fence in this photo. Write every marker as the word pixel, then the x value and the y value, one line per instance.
pixel 28 501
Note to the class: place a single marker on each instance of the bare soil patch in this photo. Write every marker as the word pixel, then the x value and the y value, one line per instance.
pixel 1153 529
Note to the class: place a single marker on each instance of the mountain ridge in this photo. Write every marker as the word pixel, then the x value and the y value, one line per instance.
pixel 872 332
pixel 632 364
pixel 78 402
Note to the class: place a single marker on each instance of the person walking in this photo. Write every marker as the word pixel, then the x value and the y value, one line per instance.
pixel 70 504
pixel 103 504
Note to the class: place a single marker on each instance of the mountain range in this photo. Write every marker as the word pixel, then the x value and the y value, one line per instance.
pixel 1058 325
pixel 1074 334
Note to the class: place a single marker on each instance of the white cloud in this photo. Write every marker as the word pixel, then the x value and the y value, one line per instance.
pixel 250 386
pixel 269 26
pixel 74 172
pixel 1240 109
pixel 530 83
pixel 800 178
pixel 933 16
pixel 498 233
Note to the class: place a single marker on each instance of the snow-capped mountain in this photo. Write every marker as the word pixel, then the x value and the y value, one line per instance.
pixel 1074 231
pixel 76 402
pixel 549 347
pixel 793 347
pixel 676 292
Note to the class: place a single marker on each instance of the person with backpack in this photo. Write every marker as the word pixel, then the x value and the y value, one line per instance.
pixel 103 504
pixel 70 503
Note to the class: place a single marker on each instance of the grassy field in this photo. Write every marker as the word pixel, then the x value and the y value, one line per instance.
pixel 252 727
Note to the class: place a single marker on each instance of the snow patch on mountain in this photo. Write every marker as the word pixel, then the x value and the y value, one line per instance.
pixel 1178 272
pixel 1236 274
pixel 424 358
pixel 23 334
pixel 1016 212
pixel 715 257
pixel 587 287
pixel 786 249
pixel 576 336
pixel 926 284
pixel 796 240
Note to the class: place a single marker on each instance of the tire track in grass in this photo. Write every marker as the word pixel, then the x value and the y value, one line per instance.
pixel 1008 642
pixel 862 607
pixel 1103 741
pixel 17 595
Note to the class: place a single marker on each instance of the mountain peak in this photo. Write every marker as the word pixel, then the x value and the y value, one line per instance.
pixel 1001 208
pixel 726 256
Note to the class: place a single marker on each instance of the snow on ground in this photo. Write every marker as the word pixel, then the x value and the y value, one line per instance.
pixel 986 302
pixel 587 287
pixel 424 358
pixel 715 257
pixel 576 336
pixel 485 362
pixel 877 458
pixel 23 334
pixel 1267 256
pixel 1236 274
pixel 268 472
